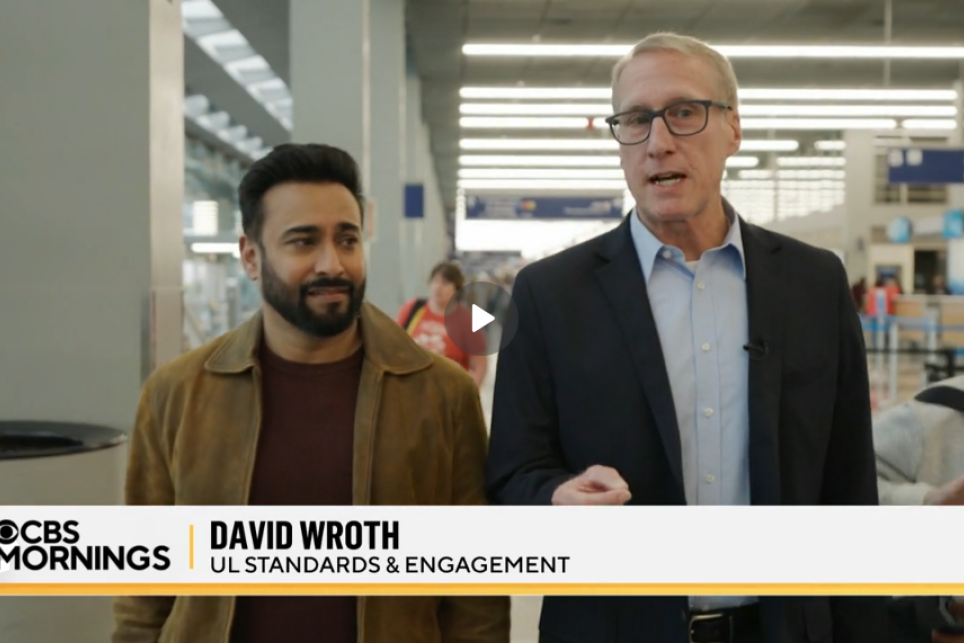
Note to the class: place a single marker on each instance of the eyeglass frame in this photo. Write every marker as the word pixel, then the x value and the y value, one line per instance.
pixel 661 113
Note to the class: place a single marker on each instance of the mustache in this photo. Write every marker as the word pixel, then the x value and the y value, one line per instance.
pixel 328 282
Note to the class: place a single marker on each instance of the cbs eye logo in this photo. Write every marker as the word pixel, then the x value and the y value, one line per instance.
pixel 8 532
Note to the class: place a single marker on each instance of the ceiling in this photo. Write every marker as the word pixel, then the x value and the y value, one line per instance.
pixel 437 29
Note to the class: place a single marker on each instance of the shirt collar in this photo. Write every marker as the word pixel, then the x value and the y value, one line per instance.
pixel 648 246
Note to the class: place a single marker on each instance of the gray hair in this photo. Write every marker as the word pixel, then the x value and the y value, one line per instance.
pixel 689 46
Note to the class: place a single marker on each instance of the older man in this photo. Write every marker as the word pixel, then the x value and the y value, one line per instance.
pixel 320 399
pixel 706 362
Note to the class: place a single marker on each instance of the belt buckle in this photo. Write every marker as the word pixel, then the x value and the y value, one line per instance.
pixel 697 618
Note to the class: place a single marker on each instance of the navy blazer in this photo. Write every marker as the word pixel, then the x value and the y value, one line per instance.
pixel 584 383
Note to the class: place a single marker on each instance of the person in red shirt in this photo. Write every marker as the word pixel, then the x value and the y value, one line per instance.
pixel 424 319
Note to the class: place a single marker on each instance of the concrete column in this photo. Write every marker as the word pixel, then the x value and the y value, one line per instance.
pixel 329 47
pixel 387 272
pixel 415 172
pixel 91 191
pixel 856 232
pixel 347 76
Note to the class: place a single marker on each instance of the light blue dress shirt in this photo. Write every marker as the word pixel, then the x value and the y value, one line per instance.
pixel 701 316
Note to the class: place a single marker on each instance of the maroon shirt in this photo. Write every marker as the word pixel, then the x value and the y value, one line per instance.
pixel 304 458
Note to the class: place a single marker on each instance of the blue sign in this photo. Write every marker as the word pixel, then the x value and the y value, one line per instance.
pixel 919 165
pixel 515 207
pixel 954 224
pixel 414 201
pixel 900 230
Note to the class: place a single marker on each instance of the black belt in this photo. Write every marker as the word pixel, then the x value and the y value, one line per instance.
pixel 734 625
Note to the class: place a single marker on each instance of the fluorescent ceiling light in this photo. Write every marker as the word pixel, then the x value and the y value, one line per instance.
pixel 830 146
pixel 550 173
pixel 542 184
pixel 518 160
pixel 204 218
pixel 794 174
pixel 811 161
pixel 563 122
pixel 601 144
pixel 817 124
pixel 570 161
pixel 539 144
pixel 521 122
pixel 214 248
pixel 769 145
pixel 197 109
pixel 849 94
pixel 536 93
pixel 602 109
pixel 848 110
pixel 200 9
pixel 731 51
pixel 204 23
pixel 913 123
pixel 539 109
pixel 748 93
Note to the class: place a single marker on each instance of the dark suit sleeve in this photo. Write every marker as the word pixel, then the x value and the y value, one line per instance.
pixel 526 463
pixel 850 476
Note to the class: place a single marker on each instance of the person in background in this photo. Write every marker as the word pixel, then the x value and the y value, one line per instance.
pixel 686 357
pixel 939 285
pixel 920 461
pixel 425 321
pixel 885 291
pixel 859 292
pixel 309 403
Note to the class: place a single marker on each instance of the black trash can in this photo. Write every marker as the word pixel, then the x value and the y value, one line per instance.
pixel 58 463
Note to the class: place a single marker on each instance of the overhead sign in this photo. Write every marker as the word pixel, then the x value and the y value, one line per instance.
pixel 953 224
pixel 921 165
pixel 900 230
pixel 414 201
pixel 568 208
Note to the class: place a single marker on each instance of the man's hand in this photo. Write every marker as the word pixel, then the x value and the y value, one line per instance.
pixel 950 494
pixel 597 485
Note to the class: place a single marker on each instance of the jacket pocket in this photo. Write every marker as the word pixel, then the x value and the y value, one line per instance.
pixel 816 613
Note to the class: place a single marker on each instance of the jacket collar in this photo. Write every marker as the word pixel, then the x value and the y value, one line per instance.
pixel 387 346
pixel 610 244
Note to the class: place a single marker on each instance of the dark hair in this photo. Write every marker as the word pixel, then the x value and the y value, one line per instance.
pixel 450 272
pixel 295 163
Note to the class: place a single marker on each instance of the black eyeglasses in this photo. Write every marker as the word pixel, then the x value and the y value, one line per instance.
pixel 684 118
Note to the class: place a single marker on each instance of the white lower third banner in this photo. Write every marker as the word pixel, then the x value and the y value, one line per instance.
pixel 480 550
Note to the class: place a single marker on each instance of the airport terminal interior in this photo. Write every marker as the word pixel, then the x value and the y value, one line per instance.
pixel 479 129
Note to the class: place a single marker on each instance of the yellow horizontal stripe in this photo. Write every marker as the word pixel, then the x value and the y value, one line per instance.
pixel 475 589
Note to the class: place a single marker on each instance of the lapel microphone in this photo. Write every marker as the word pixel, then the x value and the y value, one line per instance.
pixel 757 349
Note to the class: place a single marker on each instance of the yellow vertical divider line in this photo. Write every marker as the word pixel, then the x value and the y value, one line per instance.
pixel 192 547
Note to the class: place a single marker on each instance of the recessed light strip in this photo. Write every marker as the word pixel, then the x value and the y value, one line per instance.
pixel 600 144
pixel 602 109
pixel 541 161
pixel 886 52
pixel 593 124
pixel 746 94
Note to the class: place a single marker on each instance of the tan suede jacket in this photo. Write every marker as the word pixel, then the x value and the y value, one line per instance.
pixel 420 439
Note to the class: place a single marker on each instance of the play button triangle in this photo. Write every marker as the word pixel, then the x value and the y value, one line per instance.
pixel 480 318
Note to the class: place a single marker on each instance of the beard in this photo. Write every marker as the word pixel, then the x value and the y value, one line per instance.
pixel 291 302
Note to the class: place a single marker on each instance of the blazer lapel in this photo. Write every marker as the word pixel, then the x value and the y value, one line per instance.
pixel 764 291
pixel 622 281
